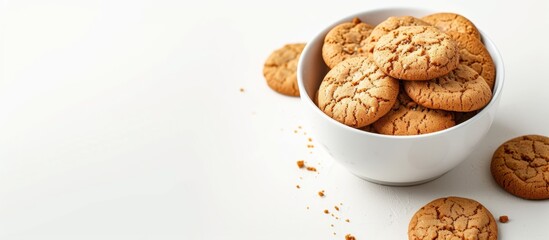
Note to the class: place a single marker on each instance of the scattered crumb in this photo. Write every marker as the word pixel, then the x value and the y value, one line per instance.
pixel 326 211
pixel 304 133
pixel 241 89
pixel 336 208
pixel 297 186
pixel 307 207
pixel 301 163
pixel 356 20
pixel 340 204
pixel 349 237
pixel 310 146
pixel 347 220
pixel 310 139
pixel 503 219
pixel 334 233
pixel 299 127
pixel 312 169
pixel 321 193
pixel 337 218
pixel 331 225
pixel 295 131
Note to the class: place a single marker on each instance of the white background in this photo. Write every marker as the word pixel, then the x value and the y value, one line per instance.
pixel 125 120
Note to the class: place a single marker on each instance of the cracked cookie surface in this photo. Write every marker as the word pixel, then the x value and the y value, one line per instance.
pixel 416 53
pixel 473 54
pixel 452 22
pixel 453 218
pixel 521 166
pixel 408 118
pixel 462 90
pixel 344 41
pixel 356 93
pixel 280 69
pixel 388 25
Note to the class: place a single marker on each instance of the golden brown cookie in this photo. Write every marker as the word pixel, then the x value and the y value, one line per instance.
pixel 356 93
pixel 408 118
pixel 452 22
pixel 280 69
pixel 416 53
pixel 462 90
pixel 388 25
pixel 521 166
pixel 453 218
pixel 473 54
pixel 344 41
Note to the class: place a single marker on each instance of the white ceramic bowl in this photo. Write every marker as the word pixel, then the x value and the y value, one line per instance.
pixel 391 160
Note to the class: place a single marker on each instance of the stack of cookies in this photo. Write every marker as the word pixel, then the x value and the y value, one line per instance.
pixel 405 76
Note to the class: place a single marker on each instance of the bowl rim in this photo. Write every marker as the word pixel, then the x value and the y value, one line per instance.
pixel 490 46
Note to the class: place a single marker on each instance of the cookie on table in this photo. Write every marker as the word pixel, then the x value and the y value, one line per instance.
pixel 452 22
pixel 473 54
pixel 356 93
pixel 388 25
pixel 408 118
pixel 344 41
pixel 521 166
pixel 462 90
pixel 453 218
pixel 416 53
pixel 280 69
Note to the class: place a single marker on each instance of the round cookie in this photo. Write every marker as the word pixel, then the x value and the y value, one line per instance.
pixel 416 53
pixel 473 54
pixel 408 118
pixel 280 69
pixel 452 22
pixel 388 25
pixel 453 218
pixel 344 41
pixel 356 93
pixel 521 166
pixel 462 90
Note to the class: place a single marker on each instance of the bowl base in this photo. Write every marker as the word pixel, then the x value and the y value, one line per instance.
pixel 399 184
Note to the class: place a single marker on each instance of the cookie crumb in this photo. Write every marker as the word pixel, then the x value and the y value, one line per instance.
pixel 336 208
pixel 332 225
pixel 307 207
pixel 347 220
pixel 297 186
pixel 310 146
pixel 242 90
pixel 321 193
pixel 295 131
pixel 503 219
pixel 312 169
pixel 299 127
pixel 300 163
pixel 334 233
pixel 356 20
pixel 326 211
pixel 310 139
pixel 349 237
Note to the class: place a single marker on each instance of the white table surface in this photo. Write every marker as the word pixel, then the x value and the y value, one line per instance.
pixel 125 120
